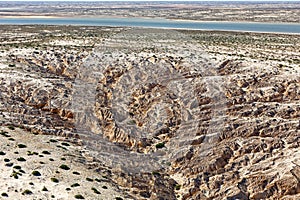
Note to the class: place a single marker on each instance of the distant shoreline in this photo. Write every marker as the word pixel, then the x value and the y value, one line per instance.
pixel 161 23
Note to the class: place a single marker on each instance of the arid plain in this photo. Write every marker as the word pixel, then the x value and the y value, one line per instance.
pixel 130 113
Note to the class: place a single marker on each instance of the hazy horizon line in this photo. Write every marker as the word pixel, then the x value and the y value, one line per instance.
pixel 152 1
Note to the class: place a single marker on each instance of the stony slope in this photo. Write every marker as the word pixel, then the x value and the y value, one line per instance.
pixel 175 115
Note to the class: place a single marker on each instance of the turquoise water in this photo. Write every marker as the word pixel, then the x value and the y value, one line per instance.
pixel 160 23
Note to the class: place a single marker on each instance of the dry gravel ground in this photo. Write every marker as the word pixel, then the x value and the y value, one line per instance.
pixel 47 167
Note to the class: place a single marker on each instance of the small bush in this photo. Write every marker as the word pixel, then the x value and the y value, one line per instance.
pixel 89 179
pixel 26 192
pixel 119 198
pixel 11 127
pixel 9 164
pixel 46 152
pixel 177 187
pixel 65 167
pixel 160 145
pixel 65 144
pixel 155 173
pixel 75 185
pixel 2 153
pixel 15 175
pixel 51 159
pixel 96 191
pixel 4 133
pixel 78 196
pixel 36 173
pixel 52 140
pixel 64 148
pixel 68 189
pixel 44 189
pixel 22 146
pixel 104 187
pixel 17 167
pixel 31 183
pixel 30 153
pixel 21 159
pixel 6 160
pixel 4 194
pixel 76 173
pixel 11 65
pixel 55 180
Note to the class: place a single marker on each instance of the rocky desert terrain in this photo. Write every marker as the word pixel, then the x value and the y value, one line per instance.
pixel 125 113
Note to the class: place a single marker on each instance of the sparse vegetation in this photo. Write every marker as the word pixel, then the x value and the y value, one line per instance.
pixel 160 145
pixel 65 144
pixel 46 152
pixel 64 148
pixel 89 179
pixel 98 180
pixel 4 133
pixel 15 174
pixel 96 191
pixel 78 196
pixel 44 189
pixel 17 167
pixel 21 159
pixel 36 173
pixel 177 187
pixel 29 153
pixel 65 167
pixel 9 164
pixel 4 194
pixel 10 127
pixel 75 185
pixel 22 146
pixel 155 173
pixel 27 192
pixel 55 180
pixel 11 65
